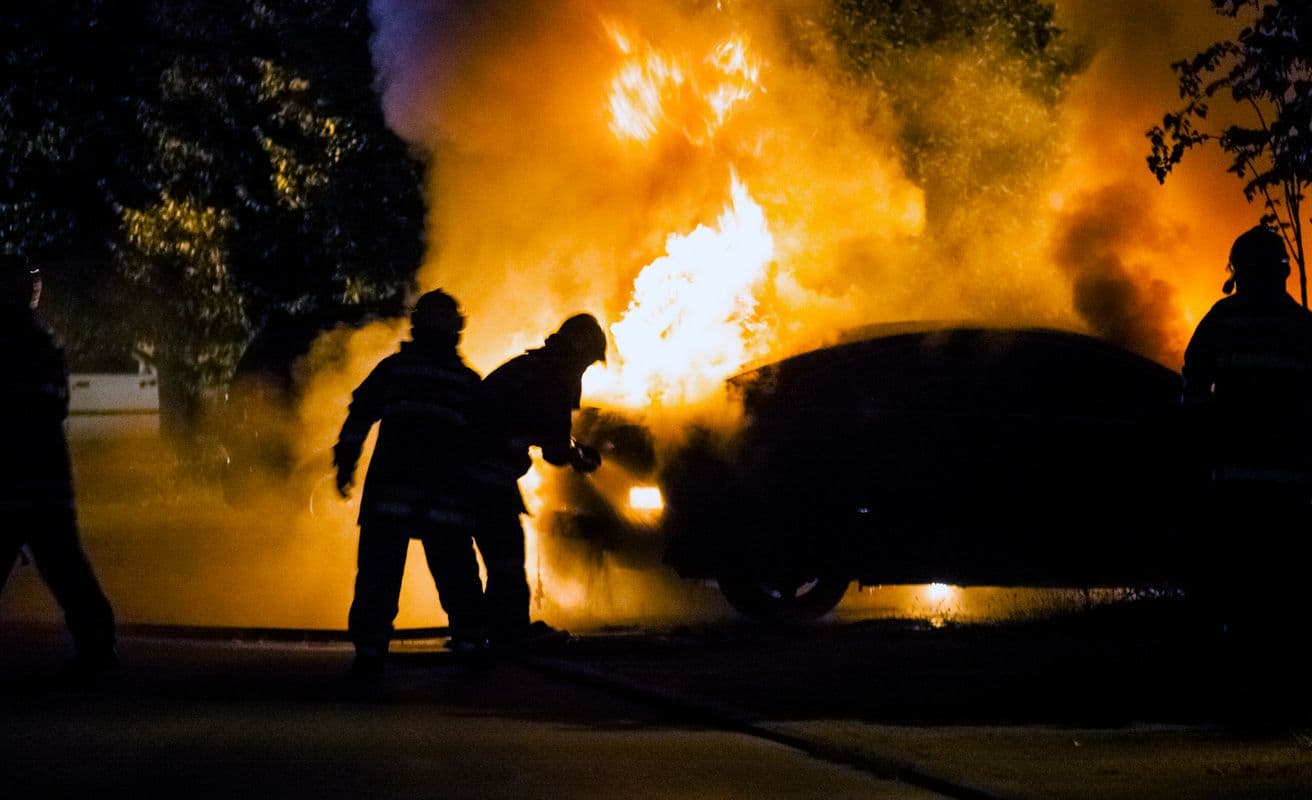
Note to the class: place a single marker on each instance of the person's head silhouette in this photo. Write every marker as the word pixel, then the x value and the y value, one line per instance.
pixel 582 338
pixel 1258 262
pixel 436 316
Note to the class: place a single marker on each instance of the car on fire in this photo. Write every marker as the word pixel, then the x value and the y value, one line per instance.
pixel 917 453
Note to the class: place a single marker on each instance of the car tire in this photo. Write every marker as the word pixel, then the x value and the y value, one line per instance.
pixel 804 598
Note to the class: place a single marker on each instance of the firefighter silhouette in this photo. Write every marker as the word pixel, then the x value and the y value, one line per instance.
pixel 1247 395
pixel 527 401
pixel 422 397
pixel 36 484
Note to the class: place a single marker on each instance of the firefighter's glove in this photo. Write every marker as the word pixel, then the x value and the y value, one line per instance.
pixel 345 453
pixel 584 458
pixel 344 483
pixel 345 474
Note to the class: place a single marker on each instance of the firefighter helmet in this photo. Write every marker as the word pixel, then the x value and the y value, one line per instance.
pixel 583 335
pixel 1259 253
pixel 437 311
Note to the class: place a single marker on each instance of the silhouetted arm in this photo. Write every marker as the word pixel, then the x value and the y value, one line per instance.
pixel 366 408
pixel 555 423
pixel 36 387
pixel 1199 371
pixel 558 445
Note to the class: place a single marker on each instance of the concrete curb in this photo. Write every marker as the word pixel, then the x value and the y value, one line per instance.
pixel 303 635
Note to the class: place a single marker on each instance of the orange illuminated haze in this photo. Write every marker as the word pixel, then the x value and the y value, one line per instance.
pixel 633 159
pixel 707 180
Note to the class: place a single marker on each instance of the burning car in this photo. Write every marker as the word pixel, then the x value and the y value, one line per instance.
pixel 931 453
pixel 615 512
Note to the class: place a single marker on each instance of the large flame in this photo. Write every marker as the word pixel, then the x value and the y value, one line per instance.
pixel 573 153
pixel 692 320
pixel 652 87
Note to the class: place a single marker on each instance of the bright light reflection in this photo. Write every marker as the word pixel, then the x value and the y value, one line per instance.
pixel 646 498
pixel 938 592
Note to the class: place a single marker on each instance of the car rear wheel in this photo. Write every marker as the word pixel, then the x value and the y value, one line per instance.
pixel 799 597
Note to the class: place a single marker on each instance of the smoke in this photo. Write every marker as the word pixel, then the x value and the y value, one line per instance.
pixel 1167 265
pixel 539 209
pixel 1032 214
pixel 542 206
pixel 1094 243
pixel 544 203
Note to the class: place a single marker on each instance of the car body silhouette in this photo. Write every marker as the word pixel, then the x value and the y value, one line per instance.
pixel 919 453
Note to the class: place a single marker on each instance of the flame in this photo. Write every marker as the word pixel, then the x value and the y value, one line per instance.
pixel 692 320
pixel 690 323
pixel 740 75
pixel 652 88
pixel 640 90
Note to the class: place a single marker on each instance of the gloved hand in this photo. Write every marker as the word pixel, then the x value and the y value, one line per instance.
pixel 584 458
pixel 344 483
pixel 344 455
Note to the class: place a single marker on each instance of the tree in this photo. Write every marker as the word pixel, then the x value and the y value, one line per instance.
pixel 278 180
pixel 1266 71
pixel 974 88
pixel 71 148
pixel 202 165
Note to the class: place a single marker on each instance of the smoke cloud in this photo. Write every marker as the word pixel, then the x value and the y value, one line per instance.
pixel 1166 257
pixel 543 204
pixel 1093 244
pixel 538 210
pixel 539 207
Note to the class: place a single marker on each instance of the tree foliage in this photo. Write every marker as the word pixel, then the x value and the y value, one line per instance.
pixel 1265 71
pixel 877 35
pixel 974 86
pixel 70 158
pixel 183 168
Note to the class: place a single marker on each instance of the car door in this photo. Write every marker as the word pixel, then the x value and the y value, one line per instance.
pixel 1084 435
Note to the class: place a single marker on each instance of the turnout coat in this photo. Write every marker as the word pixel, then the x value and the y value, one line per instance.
pixel 423 399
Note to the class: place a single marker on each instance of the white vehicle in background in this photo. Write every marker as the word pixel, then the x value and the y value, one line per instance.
pixel 105 405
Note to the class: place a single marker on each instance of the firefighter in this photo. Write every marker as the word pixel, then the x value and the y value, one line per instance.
pixel 1247 395
pixel 36 483
pixel 422 397
pixel 527 401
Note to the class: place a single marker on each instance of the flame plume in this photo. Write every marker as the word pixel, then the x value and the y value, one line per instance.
pixel 652 88
pixel 691 322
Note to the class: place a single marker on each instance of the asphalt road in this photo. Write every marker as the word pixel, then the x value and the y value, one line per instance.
pixel 217 717
pixel 1124 702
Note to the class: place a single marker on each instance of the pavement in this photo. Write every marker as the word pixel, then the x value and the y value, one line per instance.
pixel 203 714
pixel 1255 756
pixel 216 711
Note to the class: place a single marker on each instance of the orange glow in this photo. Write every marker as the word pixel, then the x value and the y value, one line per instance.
pixel 583 148
pixel 588 172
